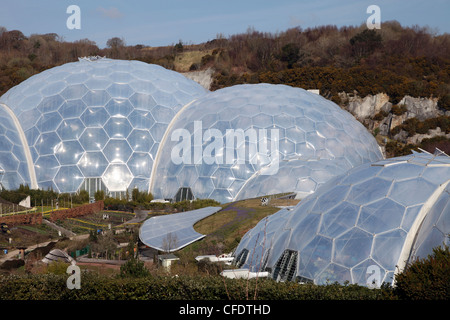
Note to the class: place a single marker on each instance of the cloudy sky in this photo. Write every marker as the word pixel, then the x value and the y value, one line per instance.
pixel 165 22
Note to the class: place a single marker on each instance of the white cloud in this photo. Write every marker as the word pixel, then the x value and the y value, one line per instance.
pixel 112 13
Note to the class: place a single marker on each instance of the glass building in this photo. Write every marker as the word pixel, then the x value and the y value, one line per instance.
pixel 114 125
pixel 251 140
pixel 361 227
pixel 95 124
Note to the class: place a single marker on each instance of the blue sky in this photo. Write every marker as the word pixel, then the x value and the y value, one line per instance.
pixel 158 22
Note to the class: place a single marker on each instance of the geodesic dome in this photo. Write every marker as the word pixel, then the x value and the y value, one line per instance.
pixel 95 124
pixel 283 139
pixel 361 227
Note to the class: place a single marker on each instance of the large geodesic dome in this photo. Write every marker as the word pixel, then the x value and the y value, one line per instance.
pixel 361 227
pixel 94 124
pixel 282 139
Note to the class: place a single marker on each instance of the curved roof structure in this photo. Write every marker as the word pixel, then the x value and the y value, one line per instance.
pixel 238 138
pixel 361 227
pixel 173 231
pixel 100 119
pixel 113 125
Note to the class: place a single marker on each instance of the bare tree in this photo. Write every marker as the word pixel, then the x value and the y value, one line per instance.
pixel 170 242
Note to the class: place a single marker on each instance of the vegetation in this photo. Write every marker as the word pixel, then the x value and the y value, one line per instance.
pixel 426 279
pixel 396 60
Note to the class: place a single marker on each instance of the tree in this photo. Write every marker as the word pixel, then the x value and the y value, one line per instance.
pixel 290 54
pixel 105 245
pixel 134 268
pixel 170 242
pixel 99 195
pixel 115 43
pixel 365 43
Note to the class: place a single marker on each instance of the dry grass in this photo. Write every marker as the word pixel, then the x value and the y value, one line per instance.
pixel 184 60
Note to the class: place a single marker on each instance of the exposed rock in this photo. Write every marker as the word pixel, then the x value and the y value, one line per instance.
pixel 367 107
pixel 421 108
pixel 203 77
pixel 417 138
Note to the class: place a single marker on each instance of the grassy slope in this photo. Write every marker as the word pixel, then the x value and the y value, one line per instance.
pixel 225 229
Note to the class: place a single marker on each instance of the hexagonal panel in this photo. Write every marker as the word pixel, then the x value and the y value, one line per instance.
pixel 355 243
pixel 50 103
pixel 119 107
pixel 70 129
pixel 46 143
pixel 368 191
pixel 140 164
pixel 94 116
pixel 117 151
pixel 121 91
pixel 340 219
pixel 380 216
pixel 117 177
pixel 72 108
pixel 409 192
pixel 68 152
pixel 118 127
pixel 162 114
pixel 141 119
pixel 142 101
pixel 68 178
pixel 46 167
pixel 387 247
pixel 96 98
pixel 93 164
pixel 93 139
pixel 140 140
pixel 48 122
pixel 76 91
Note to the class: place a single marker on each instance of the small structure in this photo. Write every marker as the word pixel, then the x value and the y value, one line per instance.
pixel 226 258
pixel 243 274
pixel 166 260
pixel 26 202
pixel 57 255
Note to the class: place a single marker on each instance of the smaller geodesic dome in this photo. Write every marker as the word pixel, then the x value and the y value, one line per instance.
pixel 231 140
pixel 361 227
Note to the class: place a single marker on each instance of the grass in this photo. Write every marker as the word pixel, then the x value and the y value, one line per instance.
pixel 225 228
pixel 95 221
pixel 184 60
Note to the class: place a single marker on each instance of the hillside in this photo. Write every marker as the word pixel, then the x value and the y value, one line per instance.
pixel 349 65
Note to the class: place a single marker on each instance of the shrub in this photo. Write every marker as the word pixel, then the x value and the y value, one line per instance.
pixel 133 268
pixel 426 279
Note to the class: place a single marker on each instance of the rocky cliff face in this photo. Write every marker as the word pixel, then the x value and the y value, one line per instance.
pixel 377 113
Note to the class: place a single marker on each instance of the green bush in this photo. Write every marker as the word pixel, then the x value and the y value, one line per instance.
pixel 133 268
pixel 426 279
pixel 98 287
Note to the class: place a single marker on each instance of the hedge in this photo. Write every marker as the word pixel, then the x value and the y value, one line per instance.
pixel 98 287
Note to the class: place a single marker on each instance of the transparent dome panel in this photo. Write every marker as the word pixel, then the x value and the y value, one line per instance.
pixel 117 177
pixel 94 139
pixel 68 178
pixel 93 164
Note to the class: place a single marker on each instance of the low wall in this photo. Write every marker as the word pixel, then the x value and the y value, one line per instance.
pixel 36 217
pixel 21 219
pixel 76 212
